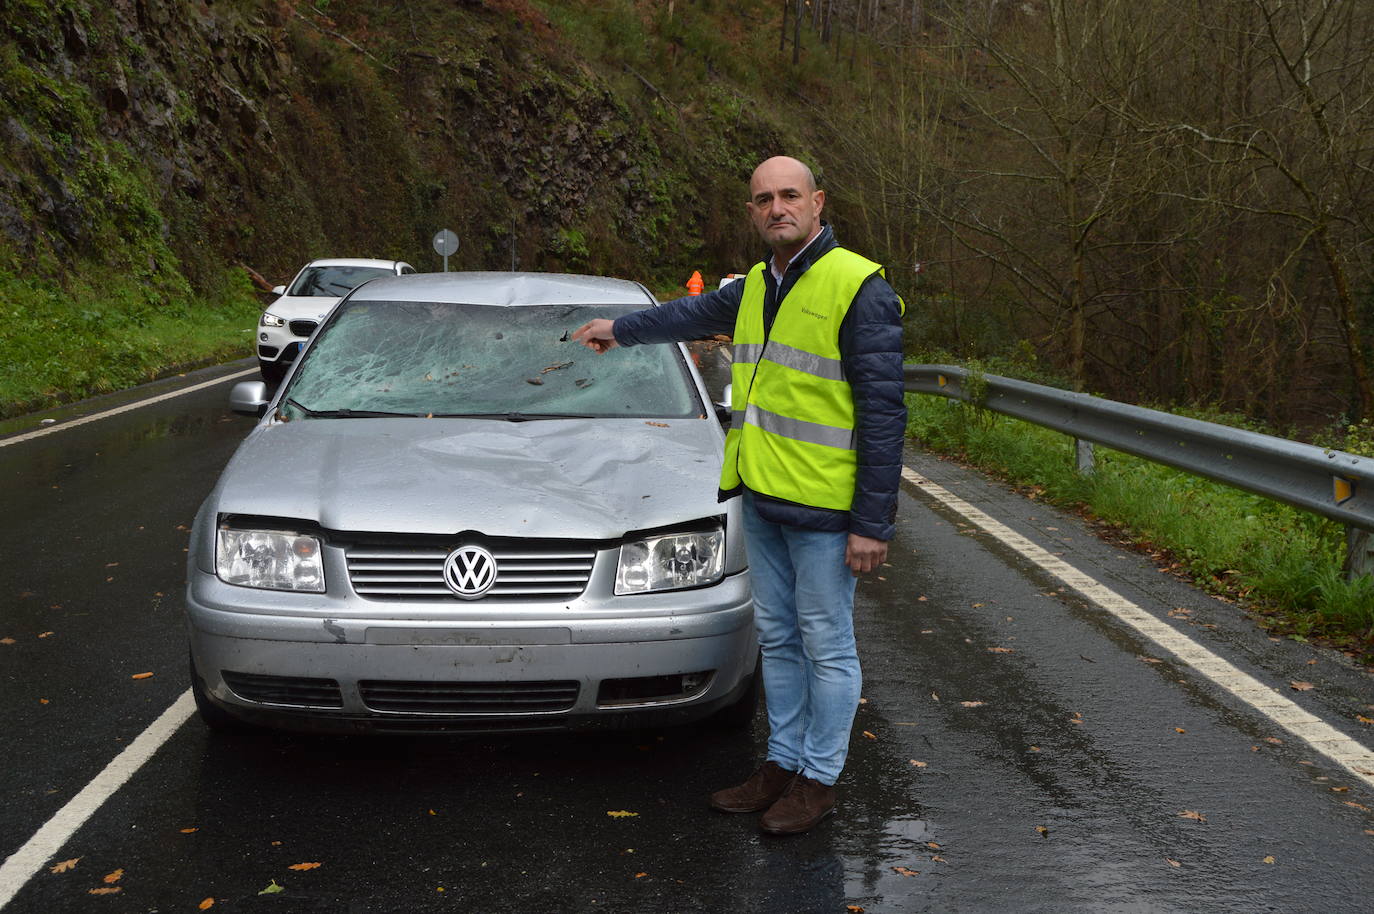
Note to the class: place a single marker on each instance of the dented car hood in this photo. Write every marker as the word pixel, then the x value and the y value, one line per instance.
pixel 564 478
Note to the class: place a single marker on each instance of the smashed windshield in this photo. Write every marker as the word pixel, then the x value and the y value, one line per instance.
pixel 335 282
pixel 443 359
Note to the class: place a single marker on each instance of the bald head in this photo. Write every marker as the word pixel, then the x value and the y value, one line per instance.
pixel 785 205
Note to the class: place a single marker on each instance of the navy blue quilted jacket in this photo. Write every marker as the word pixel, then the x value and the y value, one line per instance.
pixel 871 351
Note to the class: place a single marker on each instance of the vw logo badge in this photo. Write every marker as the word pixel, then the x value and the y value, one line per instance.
pixel 469 571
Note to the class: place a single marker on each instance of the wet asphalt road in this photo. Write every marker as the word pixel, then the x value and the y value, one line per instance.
pixel 1061 791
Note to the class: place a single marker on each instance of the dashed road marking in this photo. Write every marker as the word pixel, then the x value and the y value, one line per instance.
pixel 63 426
pixel 48 840
pixel 1283 711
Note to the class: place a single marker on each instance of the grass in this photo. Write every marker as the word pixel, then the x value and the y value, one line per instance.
pixel 59 344
pixel 1285 564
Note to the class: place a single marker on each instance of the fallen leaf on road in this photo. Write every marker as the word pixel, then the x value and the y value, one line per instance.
pixel 1364 720
pixel 640 875
pixel 620 814
pixel 1361 808
pixel 112 878
pixel 187 831
pixel 141 676
pixel 273 888
pixel 973 704
pixel 1035 748
pixel 42 701
pixel 856 909
pixel 922 599
pixel 1299 686
pixel 1340 789
pixel 903 871
pixel 938 859
pixel 1044 832
pixel 1274 740
pixel 1172 862
pixel 63 866
pixel 304 866
pixel 1190 814
pixel 7 641
pixel 1000 650
pixel 977 605
pixel 207 904
pixel 917 764
pixel 932 845
pixel 869 735
pixel 1149 660
pixel 111 564
pixel 46 635
pixel 107 890
pixel 1179 730
pixel 1269 859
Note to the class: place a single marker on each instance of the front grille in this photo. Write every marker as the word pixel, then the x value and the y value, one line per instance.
pixel 528 571
pixel 267 352
pixel 297 691
pixel 468 697
pixel 302 328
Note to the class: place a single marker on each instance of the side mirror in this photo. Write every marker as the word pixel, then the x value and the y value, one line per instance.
pixel 249 398
pixel 279 290
pixel 723 412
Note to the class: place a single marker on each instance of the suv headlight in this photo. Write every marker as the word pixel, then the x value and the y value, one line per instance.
pixel 270 560
pixel 271 320
pixel 671 562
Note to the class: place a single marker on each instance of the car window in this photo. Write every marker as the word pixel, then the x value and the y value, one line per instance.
pixel 458 359
pixel 333 281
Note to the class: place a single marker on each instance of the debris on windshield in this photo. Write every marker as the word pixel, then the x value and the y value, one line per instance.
pixel 583 383
pixel 556 366
pixel 567 335
pixel 658 424
pixel 429 376
pixel 534 380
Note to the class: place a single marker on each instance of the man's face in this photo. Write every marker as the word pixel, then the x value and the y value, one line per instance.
pixel 784 205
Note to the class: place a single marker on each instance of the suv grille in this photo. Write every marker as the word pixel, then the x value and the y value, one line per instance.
pixel 284 690
pixel 528 571
pixel 303 328
pixel 468 697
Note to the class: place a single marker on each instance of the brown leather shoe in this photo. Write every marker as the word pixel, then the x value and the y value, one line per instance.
pixel 759 792
pixel 804 803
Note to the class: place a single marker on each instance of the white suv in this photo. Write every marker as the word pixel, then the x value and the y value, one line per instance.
pixel 288 322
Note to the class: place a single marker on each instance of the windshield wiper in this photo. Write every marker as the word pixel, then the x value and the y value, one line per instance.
pixel 513 417
pixel 346 413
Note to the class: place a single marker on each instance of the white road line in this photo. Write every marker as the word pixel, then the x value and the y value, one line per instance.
pixel 48 840
pixel 1283 711
pixel 63 426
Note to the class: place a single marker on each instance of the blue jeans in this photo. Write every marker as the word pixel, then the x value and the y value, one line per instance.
pixel 804 611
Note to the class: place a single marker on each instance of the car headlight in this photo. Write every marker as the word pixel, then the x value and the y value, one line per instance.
pixel 271 320
pixel 671 562
pixel 269 560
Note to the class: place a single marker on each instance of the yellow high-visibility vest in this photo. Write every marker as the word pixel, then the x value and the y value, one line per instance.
pixel 792 432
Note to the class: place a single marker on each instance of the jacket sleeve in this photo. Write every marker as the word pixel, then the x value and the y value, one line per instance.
pixel 692 317
pixel 871 350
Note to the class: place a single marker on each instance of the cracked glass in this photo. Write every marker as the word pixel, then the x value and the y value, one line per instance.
pixel 447 359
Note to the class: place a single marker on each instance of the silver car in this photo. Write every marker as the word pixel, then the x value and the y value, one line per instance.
pixel 453 518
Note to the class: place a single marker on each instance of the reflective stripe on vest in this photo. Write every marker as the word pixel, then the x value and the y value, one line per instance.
pixel 792 433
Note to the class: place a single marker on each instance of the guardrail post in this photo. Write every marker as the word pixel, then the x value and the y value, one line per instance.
pixel 1359 552
pixel 1085 461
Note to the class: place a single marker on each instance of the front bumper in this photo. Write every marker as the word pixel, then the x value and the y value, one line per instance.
pixel 322 668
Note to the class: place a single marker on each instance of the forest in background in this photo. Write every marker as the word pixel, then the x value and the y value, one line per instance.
pixel 1163 201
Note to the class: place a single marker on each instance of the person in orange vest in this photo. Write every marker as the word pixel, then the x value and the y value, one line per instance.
pixel 695 285
pixel 815 451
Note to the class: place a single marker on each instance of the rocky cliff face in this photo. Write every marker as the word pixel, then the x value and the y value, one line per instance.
pixel 171 138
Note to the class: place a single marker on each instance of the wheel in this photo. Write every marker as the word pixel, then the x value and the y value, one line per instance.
pixel 740 715
pixel 211 714
pixel 273 372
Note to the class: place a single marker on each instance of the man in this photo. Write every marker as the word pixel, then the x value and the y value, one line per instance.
pixel 815 449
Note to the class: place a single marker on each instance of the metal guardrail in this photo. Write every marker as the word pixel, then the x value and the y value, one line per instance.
pixel 1331 483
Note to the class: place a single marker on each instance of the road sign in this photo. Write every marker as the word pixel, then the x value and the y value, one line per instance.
pixel 445 244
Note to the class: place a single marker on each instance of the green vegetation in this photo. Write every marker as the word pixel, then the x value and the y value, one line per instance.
pixel 1285 563
pixel 107 331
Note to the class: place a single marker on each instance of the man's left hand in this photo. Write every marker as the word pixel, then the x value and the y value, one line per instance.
pixel 862 553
